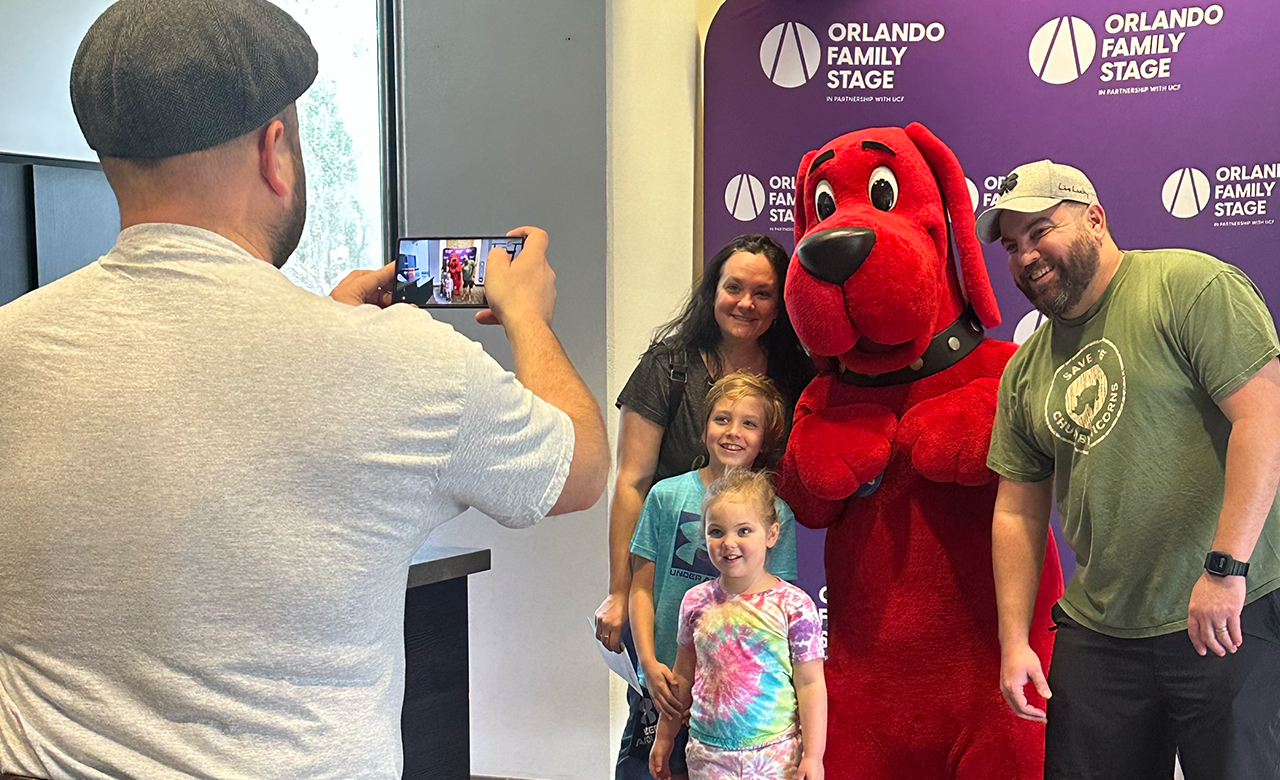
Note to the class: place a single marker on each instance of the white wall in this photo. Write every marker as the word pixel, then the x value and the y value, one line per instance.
pixel 652 253
pixel 655 224
pixel 38 40
pixel 652 110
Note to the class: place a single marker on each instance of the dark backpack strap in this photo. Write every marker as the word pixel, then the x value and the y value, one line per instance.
pixel 678 373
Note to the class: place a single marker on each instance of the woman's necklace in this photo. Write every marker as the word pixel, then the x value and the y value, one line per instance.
pixel 756 364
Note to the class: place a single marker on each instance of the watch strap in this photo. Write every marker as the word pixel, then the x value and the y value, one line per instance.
pixel 1223 565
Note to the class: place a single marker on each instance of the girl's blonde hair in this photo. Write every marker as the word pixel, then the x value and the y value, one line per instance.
pixel 744 384
pixel 744 486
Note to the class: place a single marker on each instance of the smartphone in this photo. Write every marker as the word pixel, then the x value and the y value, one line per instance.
pixel 446 271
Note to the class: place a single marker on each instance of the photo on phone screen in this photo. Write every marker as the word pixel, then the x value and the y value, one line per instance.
pixel 446 271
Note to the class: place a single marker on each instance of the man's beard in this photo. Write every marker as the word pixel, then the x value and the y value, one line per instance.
pixel 1075 272
pixel 286 234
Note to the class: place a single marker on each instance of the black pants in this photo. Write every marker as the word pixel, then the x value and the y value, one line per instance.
pixel 638 734
pixel 1122 707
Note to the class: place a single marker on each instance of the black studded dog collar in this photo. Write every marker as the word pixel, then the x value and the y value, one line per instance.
pixel 944 351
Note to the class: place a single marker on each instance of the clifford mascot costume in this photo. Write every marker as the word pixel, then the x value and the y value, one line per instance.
pixel 888 453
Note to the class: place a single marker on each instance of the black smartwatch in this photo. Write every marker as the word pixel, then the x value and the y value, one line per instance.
pixel 1221 564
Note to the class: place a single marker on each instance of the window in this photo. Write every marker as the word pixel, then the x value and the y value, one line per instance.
pixel 340 120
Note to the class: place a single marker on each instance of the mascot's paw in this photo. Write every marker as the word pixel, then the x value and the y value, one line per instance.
pixel 838 449
pixel 948 436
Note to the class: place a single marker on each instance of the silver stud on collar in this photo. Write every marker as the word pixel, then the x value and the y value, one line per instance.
pixel 954 343
pixel 917 365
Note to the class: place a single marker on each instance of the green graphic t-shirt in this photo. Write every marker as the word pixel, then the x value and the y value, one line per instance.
pixel 1120 407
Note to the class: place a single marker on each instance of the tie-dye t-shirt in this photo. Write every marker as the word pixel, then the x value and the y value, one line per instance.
pixel 669 533
pixel 747 646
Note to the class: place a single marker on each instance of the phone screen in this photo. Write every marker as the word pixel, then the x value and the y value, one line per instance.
pixel 446 271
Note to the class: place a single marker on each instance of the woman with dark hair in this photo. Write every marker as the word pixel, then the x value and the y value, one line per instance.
pixel 733 320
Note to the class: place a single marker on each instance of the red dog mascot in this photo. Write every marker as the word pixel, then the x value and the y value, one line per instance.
pixel 889 454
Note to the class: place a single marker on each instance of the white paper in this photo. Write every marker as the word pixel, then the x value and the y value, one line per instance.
pixel 619 663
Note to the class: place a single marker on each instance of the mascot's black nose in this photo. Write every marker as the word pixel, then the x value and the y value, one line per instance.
pixel 834 254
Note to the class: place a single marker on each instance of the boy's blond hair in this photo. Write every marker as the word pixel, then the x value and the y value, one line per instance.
pixel 744 384
pixel 744 486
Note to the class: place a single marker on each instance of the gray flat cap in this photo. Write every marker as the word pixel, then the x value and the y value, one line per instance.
pixel 158 78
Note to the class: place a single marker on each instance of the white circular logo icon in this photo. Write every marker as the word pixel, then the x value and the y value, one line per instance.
pixel 744 197
pixel 1027 325
pixel 1062 50
pixel 973 192
pixel 790 54
pixel 1186 192
pixel 1086 397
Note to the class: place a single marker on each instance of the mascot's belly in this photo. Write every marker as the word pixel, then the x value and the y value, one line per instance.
pixel 913 649
pixel 911 563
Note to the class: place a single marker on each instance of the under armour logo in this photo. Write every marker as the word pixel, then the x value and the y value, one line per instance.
pixel 1009 183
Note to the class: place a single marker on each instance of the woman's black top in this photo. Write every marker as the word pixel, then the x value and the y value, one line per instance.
pixel 648 393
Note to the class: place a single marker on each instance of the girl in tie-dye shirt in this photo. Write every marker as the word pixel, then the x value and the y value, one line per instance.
pixel 752 646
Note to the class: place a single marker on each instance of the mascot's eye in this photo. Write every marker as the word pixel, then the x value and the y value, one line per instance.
pixel 824 199
pixel 883 188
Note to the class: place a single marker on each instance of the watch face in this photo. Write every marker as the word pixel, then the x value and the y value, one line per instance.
pixel 1217 563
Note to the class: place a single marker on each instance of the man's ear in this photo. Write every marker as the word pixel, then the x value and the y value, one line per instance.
pixel 1096 218
pixel 275 158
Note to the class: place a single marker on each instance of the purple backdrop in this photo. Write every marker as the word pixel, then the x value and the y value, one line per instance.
pixel 1171 111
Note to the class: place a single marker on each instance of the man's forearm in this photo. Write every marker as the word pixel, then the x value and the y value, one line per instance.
pixel 542 366
pixel 544 369
pixel 1252 476
pixel 1017 554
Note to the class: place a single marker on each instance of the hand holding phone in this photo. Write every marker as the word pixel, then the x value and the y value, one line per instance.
pixel 521 287
pixel 364 286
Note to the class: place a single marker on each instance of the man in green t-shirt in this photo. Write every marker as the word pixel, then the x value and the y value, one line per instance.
pixel 1147 408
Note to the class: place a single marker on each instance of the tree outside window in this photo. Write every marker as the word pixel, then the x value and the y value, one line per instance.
pixel 340 121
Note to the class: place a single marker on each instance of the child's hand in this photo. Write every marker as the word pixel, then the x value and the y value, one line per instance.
pixel 810 769
pixel 664 688
pixel 659 766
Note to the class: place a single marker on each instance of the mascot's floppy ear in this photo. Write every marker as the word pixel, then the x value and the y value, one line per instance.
pixel 801 219
pixel 973 267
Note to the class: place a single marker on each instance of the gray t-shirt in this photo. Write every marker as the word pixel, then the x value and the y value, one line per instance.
pixel 211 486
